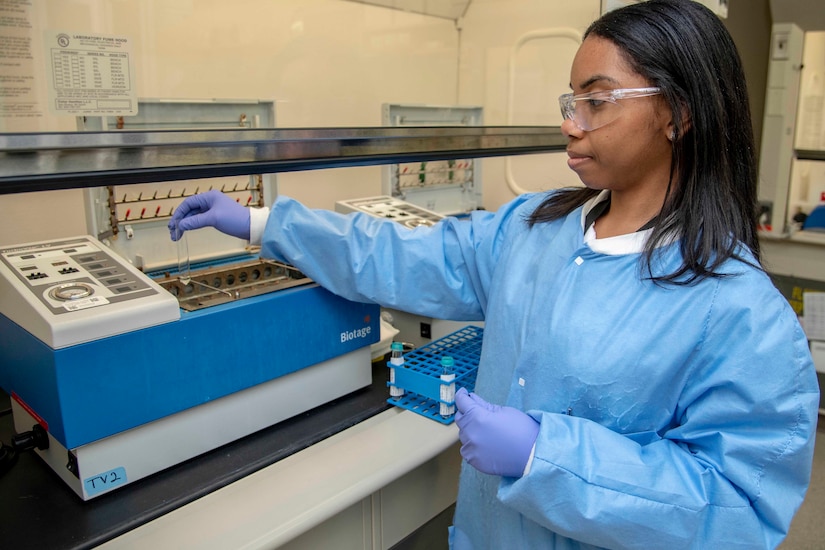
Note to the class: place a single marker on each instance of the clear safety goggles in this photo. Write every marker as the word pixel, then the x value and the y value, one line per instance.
pixel 593 110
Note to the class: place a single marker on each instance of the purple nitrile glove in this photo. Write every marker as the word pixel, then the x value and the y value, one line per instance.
pixel 495 440
pixel 210 209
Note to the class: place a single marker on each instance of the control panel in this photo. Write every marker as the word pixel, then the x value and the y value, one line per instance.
pixel 75 290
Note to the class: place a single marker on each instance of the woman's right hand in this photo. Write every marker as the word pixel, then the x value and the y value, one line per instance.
pixel 210 209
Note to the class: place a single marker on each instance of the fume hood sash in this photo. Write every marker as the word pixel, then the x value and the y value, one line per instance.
pixel 64 160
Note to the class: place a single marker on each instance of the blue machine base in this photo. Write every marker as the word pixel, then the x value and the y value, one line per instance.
pixel 90 391
pixel 420 377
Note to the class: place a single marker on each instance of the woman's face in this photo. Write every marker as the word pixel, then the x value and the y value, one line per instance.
pixel 633 151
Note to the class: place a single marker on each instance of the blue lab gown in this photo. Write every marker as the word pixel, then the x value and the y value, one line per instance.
pixel 671 417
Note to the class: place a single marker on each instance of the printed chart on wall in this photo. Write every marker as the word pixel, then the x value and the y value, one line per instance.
pixel 20 100
pixel 90 74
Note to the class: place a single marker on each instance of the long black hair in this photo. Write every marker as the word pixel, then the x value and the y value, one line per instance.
pixel 711 205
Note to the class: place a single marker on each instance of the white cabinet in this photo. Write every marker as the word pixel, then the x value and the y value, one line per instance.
pixel 391 514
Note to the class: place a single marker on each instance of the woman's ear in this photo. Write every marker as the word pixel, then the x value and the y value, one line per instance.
pixel 674 133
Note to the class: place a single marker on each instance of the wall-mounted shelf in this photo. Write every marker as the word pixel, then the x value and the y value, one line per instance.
pixel 64 160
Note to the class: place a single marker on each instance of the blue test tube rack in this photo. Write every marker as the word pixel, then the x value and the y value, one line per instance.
pixel 420 376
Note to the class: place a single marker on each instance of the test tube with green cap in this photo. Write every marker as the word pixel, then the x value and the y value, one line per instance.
pixel 396 361
pixel 447 387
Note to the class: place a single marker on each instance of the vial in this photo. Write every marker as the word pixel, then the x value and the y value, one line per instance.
pixel 183 256
pixel 396 361
pixel 447 405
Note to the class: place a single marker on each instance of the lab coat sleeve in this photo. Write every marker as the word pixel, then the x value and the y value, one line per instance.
pixel 441 271
pixel 729 473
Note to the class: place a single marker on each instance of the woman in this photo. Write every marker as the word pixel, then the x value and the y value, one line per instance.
pixel 642 383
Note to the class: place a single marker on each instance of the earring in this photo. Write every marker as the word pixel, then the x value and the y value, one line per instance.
pixel 672 136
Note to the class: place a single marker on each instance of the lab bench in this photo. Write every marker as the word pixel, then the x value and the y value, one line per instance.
pixel 355 473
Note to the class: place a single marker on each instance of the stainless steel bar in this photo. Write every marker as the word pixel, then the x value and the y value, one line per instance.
pixel 46 161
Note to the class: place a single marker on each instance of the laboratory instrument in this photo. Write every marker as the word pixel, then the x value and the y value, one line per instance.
pixel 128 381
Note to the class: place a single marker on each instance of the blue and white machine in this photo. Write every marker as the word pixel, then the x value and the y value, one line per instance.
pixel 126 383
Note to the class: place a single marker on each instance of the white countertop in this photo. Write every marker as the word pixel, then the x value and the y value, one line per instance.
pixel 276 504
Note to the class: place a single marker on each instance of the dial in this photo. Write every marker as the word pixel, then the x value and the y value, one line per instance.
pixel 71 291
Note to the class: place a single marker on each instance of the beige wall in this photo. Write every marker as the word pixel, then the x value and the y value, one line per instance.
pixel 541 73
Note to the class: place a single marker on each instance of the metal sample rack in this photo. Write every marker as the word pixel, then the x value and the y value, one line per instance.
pixel 218 285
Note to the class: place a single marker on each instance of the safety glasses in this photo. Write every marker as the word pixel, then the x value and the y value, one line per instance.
pixel 593 110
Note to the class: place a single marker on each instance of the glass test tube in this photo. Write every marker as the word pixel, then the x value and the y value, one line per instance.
pixel 183 256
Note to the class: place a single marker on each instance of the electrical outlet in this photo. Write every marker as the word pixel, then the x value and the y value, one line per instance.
pixel 780 46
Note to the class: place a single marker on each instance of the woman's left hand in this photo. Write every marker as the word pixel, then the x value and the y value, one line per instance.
pixel 494 439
